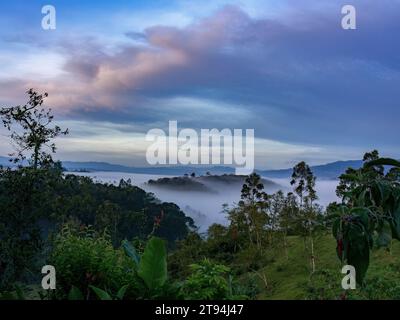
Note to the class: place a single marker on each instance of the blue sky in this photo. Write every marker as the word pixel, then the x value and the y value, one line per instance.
pixel 115 69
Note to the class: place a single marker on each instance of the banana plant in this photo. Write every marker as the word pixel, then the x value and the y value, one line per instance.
pixel 151 267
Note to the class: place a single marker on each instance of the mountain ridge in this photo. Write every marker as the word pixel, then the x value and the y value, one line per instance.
pixel 331 170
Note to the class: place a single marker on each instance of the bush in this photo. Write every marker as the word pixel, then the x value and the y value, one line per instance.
pixel 207 282
pixel 247 287
pixel 83 258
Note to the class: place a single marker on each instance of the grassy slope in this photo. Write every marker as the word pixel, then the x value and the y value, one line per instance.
pixel 287 277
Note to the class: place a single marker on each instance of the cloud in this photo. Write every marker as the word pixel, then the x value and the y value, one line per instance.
pixel 289 75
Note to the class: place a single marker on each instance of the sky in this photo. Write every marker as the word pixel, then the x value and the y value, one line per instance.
pixel 286 68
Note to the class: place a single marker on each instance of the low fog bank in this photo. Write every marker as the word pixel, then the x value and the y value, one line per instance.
pixel 206 207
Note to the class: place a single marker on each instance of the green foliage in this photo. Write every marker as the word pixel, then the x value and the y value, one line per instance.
pixel 324 284
pixel 16 294
pixel 249 218
pixel 35 203
pixel 245 288
pixel 207 282
pixel 24 205
pixel 370 213
pixel 304 182
pixel 308 215
pixel 84 259
pixel 34 133
pixel 151 269
pixel 101 294
pixel 384 287
pixel 121 292
pixel 188 251
pixel 131 252
pixel 153 264
pixel 89 267
pixel 75 294
pixel 126 211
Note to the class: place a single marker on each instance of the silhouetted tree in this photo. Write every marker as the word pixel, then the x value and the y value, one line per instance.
pixel 35 132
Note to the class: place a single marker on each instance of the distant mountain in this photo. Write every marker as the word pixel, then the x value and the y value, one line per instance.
pixel 168 170
pixel 326 171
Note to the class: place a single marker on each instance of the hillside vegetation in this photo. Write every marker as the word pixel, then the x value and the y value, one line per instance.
pixel 288 278
pixel 114 242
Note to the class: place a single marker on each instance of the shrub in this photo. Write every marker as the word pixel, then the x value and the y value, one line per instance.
pixel 83 259
pixel 207 282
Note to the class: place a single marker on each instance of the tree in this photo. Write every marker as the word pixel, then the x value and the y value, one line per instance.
pixel 304 181
pixel 275 208
pixel 208 281
pixel 356 178
pixel 253 206
pixel 26 200
pixel 35 132
pixel 304 186
pixel 287 217
pixel 369 214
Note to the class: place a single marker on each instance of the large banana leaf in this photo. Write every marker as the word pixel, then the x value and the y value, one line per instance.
pixel 153 264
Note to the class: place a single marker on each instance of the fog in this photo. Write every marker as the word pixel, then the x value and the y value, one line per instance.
pixel 205 208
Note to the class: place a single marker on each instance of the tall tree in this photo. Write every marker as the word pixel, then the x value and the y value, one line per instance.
pixel 275 206
pixel 287 218
pixel 303 181
pixel 34 133
pixel 252 207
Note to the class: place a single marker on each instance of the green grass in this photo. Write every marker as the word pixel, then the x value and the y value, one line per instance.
pixel 287 277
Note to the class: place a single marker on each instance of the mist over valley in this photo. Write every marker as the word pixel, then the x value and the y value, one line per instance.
pixel 202 198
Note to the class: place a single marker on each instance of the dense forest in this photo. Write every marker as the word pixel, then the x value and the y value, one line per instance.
pixel 118 242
